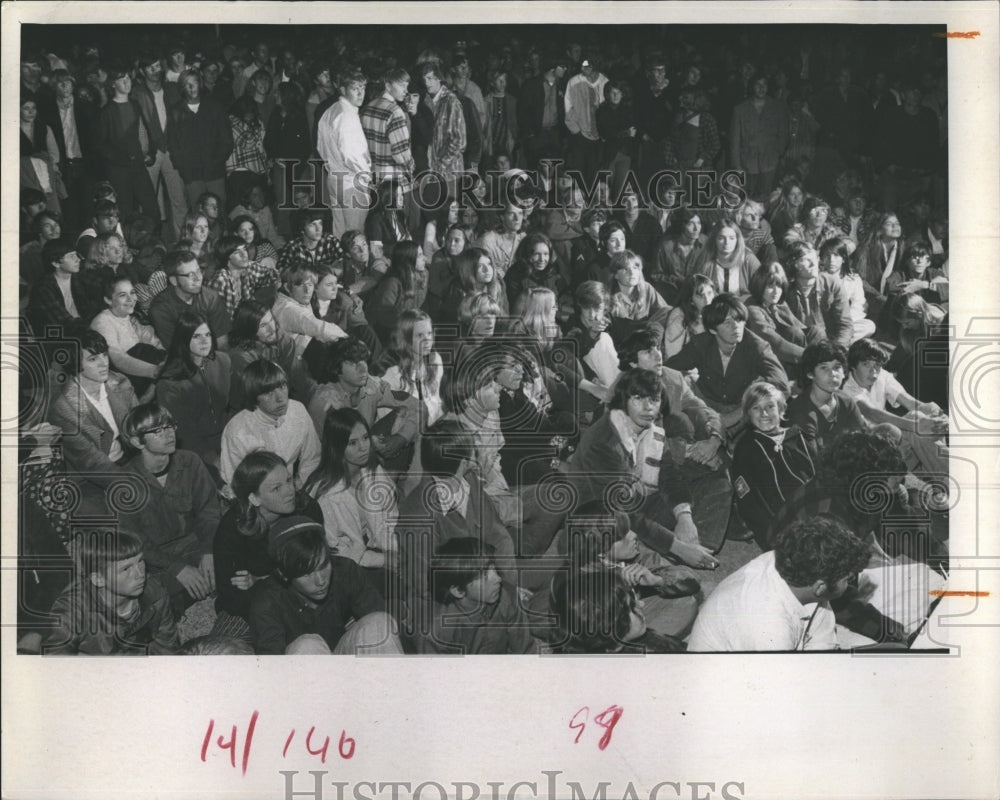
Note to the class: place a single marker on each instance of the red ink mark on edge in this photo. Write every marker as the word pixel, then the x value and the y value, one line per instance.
pixel 956 593
pixel 958 35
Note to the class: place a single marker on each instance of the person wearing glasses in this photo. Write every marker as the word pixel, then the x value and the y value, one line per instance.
pixel 186 292
pixel 177 522
pixel 781 599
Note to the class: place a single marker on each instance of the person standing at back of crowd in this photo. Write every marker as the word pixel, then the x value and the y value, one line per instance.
pixel 449 138
pixel 154 98
pixel 72 123
pixel 387 129
pixel 584 93
pixel 341 143
pixel 758 138
pixel 123 143
pixel 653 117
pixel 473 110
pixel 541 112
pixel 199 140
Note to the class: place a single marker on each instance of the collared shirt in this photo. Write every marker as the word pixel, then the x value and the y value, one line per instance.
pixel 292 437
pixel 550 111
pixel 645 449
pixel 886 389
pixel 387 129
pixel 449 501
pixel 340 140
pixel 103 406
pixel 374 395
pixel 728 280
pixel 161 107
pixel 501 248
pixel 360 517
pixel 67 117
pixel 804 306
pixel 66 289
pixel 327 252
pixel 754 610
pixel 167 307
pixel 638 303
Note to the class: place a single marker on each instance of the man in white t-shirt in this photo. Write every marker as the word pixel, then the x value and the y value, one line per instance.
pixel 781 599
pixel 874 389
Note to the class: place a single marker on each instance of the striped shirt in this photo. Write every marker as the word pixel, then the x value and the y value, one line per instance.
pixel 387 129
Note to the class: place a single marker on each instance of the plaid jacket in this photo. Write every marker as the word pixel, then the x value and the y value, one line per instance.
pixel 327 251
pixel 449 140
pixel 248 147
pixel 255 277
pixel 387 129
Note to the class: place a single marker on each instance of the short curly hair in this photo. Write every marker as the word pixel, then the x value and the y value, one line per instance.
pixel 857 453
pixel 818 549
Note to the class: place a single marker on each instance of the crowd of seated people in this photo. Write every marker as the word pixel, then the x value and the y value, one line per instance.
pixel 362 356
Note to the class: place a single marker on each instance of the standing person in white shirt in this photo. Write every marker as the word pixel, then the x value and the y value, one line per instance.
pixel 781 599
pixel 584 93
pixel 924 425
pixel 341 143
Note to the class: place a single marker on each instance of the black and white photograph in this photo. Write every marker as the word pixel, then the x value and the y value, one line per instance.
pixel 590 376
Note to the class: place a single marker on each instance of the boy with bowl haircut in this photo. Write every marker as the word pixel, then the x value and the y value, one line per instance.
pixel 112 608
pixel 821 410
pixel 316 593
pixel 474 612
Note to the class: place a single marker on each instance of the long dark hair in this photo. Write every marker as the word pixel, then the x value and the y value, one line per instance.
pixel 179 365
pixel 685 300
pixel 246 322
pixel 404 267
pixel 332 469
pixel 292 99
pixel 247 478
